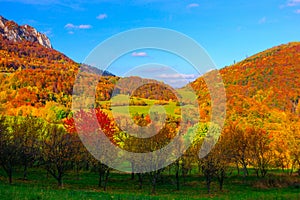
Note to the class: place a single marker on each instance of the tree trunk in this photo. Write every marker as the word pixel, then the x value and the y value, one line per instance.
pixel 263 172
pixel 221 183
pixel 221 179
pixel 177 175
pixel 8 169
pixel 245 170
pixel 208 181
pixel 257 172
pixel 237 168
pixel 87 166
pixel 60 181
pixel 77 171
pixel 184 171
pixel 106 179
pixel 60 172
pixel 25 171
pixel 140 180
pixel 154 183
pixel 132 171
pixel 10 175
pixel 292 169
pixel 100 178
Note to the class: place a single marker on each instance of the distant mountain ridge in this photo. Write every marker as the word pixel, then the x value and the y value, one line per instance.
pixel 94 70
pixel 13 32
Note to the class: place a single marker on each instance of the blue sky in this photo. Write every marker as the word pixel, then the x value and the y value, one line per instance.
pixel 228 30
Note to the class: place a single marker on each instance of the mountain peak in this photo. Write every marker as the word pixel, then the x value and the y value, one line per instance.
pixel 13 32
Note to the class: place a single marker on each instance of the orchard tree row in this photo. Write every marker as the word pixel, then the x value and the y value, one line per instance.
pixel 33 142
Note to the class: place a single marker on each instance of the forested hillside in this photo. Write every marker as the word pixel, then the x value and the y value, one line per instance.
pixel 261 85
pixel 40 134
pixel 37 80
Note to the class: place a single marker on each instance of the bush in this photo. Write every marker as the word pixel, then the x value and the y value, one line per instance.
pixel 276 181
pixel 161 102
pixel 137 102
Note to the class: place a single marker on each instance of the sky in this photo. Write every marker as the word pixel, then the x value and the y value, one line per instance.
pixel 229 31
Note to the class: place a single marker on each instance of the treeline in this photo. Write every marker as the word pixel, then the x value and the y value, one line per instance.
pixel 26 92
pixel 32 142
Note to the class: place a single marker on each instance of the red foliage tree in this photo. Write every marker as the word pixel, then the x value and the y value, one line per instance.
pixel 84 123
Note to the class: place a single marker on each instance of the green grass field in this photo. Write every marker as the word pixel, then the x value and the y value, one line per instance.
pixel 168 108
pixel 120 186
pixel 120 104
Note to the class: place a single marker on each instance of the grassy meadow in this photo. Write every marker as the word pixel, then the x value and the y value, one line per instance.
pixel 120 186
pixel 120 104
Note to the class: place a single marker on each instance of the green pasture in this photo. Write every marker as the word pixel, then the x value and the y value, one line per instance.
pixel 120 186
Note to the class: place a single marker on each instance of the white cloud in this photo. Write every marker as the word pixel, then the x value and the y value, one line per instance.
pixel 177 76
pixel 262 20
pixel 192 5
pixel 69 26
pixel 154 70
pixel 102 16
pixel 81 26
pixel 139 54
pixel 297 11
pixel 177 80
pixel 84 26
pixel 292 3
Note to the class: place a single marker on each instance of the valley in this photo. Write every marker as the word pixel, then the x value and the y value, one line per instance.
pixel 256 155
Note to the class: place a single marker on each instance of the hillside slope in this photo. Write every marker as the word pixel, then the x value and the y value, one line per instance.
pixel 260 85
pixel 23 47
pixel 36 79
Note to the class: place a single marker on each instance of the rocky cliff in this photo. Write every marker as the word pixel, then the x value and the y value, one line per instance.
pixel 13 32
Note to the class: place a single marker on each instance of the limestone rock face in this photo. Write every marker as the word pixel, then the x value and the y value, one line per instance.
pixel 12 31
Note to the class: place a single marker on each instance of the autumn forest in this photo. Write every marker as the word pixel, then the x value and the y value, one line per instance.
pixel 257 155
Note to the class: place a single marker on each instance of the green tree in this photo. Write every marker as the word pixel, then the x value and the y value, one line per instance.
pixel 57 151
pixel 27 132
pixel 8 149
